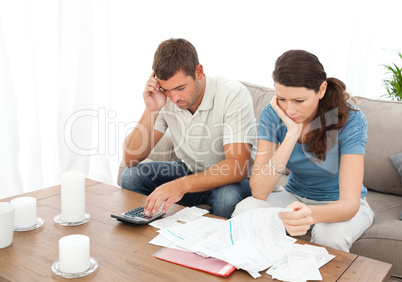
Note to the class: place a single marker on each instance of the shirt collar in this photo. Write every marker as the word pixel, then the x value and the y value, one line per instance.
pixel 208 99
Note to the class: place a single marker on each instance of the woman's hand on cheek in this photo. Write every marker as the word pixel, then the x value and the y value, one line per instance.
pixel 274 103
pixel 299 221
pixel 291 125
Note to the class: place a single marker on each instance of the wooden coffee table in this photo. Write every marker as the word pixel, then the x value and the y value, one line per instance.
pixel 123 252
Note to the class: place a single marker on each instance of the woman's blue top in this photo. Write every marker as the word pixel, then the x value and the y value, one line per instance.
pixel 309 177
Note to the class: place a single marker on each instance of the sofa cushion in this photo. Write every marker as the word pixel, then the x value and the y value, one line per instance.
pixel 383 240
pixel 396 160
pixel 384 139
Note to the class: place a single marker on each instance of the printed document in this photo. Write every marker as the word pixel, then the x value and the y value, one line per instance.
pixel 183 216
pixel 252 241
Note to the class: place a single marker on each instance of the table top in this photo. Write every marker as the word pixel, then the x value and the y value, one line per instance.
pixel 123 252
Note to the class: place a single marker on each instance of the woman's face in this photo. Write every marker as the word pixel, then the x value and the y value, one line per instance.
pixel 299 103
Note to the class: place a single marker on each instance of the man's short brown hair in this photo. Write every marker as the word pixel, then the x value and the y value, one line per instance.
pixel 173 55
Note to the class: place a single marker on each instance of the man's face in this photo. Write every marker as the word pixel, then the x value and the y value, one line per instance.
pixel 183 90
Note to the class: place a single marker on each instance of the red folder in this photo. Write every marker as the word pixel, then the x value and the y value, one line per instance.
pixel 192 260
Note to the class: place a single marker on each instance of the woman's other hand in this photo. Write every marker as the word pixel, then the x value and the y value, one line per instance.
pixel 299 221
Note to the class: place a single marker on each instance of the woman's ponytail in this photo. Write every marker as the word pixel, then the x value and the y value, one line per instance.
pixel 332 114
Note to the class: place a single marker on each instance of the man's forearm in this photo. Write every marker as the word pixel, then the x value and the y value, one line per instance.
pixel 225 172
pixel 138 144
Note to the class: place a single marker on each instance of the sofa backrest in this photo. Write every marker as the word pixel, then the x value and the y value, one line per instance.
pixel 261 97
pixel 384 130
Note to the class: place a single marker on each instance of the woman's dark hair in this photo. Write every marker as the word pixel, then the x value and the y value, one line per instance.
pixel 298 68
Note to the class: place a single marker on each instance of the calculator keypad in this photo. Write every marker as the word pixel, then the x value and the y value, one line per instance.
pixel 139 212
pixel 137 216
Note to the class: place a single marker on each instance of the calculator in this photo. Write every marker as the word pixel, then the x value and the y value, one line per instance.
pixel 137 216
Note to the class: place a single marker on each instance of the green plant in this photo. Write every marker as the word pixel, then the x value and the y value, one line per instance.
pixel 393 85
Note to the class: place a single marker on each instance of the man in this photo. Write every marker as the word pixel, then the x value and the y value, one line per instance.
pixel 213 130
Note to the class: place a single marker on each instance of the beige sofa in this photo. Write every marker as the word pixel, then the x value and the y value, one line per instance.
pixel 383 241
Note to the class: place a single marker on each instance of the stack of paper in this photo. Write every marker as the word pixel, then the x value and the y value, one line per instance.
pixel 187 235
pixel 183 216
pixel 253 241
pixel 302 263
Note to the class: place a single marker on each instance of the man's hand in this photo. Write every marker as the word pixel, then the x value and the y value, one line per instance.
pixel 154 98
pixel 298 221
pixel 168 193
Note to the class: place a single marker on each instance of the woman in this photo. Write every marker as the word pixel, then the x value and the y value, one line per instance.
pixel 310 128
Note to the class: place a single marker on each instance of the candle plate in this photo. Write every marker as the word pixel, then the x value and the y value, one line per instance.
pixel 93 265
pixel 58 220
pixel 39 223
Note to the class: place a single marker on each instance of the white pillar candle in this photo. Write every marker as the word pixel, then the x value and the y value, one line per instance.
pixel 25 212
pixel 74 253
pixel 6 224
pixel 72 196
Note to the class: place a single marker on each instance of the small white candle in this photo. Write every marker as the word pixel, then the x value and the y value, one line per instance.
pixel 72 196
pixel 25 212
pixel 74 253
pixel 6 224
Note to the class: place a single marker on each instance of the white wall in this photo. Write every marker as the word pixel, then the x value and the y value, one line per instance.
pixel 60 58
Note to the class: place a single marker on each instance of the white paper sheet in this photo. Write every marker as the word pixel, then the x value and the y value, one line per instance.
pixel 185 215
pixel 163 242
pixel 301 264
pixel 252 241
pixel 187 235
